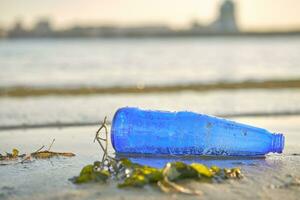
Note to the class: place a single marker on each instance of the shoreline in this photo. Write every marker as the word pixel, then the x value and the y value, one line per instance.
pixel 21 91
pixel 169 34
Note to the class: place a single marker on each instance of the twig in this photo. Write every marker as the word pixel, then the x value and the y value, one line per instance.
pixel 39 149
pixel 104 146
pixel 51 144
pixel 29 156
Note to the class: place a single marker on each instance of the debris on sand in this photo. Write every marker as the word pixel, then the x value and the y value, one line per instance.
pixel 14 157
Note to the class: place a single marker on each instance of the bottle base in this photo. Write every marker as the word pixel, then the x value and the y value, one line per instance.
pixel 278 143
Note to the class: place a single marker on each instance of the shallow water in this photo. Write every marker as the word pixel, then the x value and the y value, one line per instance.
pixel 87 109
pixel 111 62
pixel 267 178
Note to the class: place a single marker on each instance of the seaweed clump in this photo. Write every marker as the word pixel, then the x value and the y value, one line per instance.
pixel 129 174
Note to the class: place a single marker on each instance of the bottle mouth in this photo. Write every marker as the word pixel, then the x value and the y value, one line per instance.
pixel 278 143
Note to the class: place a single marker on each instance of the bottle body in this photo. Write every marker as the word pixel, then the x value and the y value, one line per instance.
pixel 136 131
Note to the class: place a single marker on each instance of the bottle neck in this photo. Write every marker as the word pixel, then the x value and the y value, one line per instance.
pixel 277 142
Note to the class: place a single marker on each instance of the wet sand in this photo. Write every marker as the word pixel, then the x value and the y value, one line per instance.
pixel 268 178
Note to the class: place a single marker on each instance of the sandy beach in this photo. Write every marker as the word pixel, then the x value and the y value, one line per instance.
pixel 269 178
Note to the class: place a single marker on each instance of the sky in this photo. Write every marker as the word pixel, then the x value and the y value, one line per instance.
pixel 251 14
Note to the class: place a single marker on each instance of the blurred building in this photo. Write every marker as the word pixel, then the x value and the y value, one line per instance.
pixel 18 30
pixel 42 28
pixel 226 21
pixel 2 33
pixel 146 30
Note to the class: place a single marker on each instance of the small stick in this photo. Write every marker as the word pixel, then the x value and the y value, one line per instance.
pixel 51 144
pixel 104 147
pixel 39 149
pixel 29 156
pixel 98 139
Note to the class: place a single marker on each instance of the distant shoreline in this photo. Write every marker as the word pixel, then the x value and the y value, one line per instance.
pixel 197 87
pixel 181 34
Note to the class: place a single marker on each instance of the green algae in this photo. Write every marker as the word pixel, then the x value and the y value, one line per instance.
pixel 90 174
pixel 128 174
pixel 202 170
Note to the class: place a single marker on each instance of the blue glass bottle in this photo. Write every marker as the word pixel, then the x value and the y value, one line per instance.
pixel 136 131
